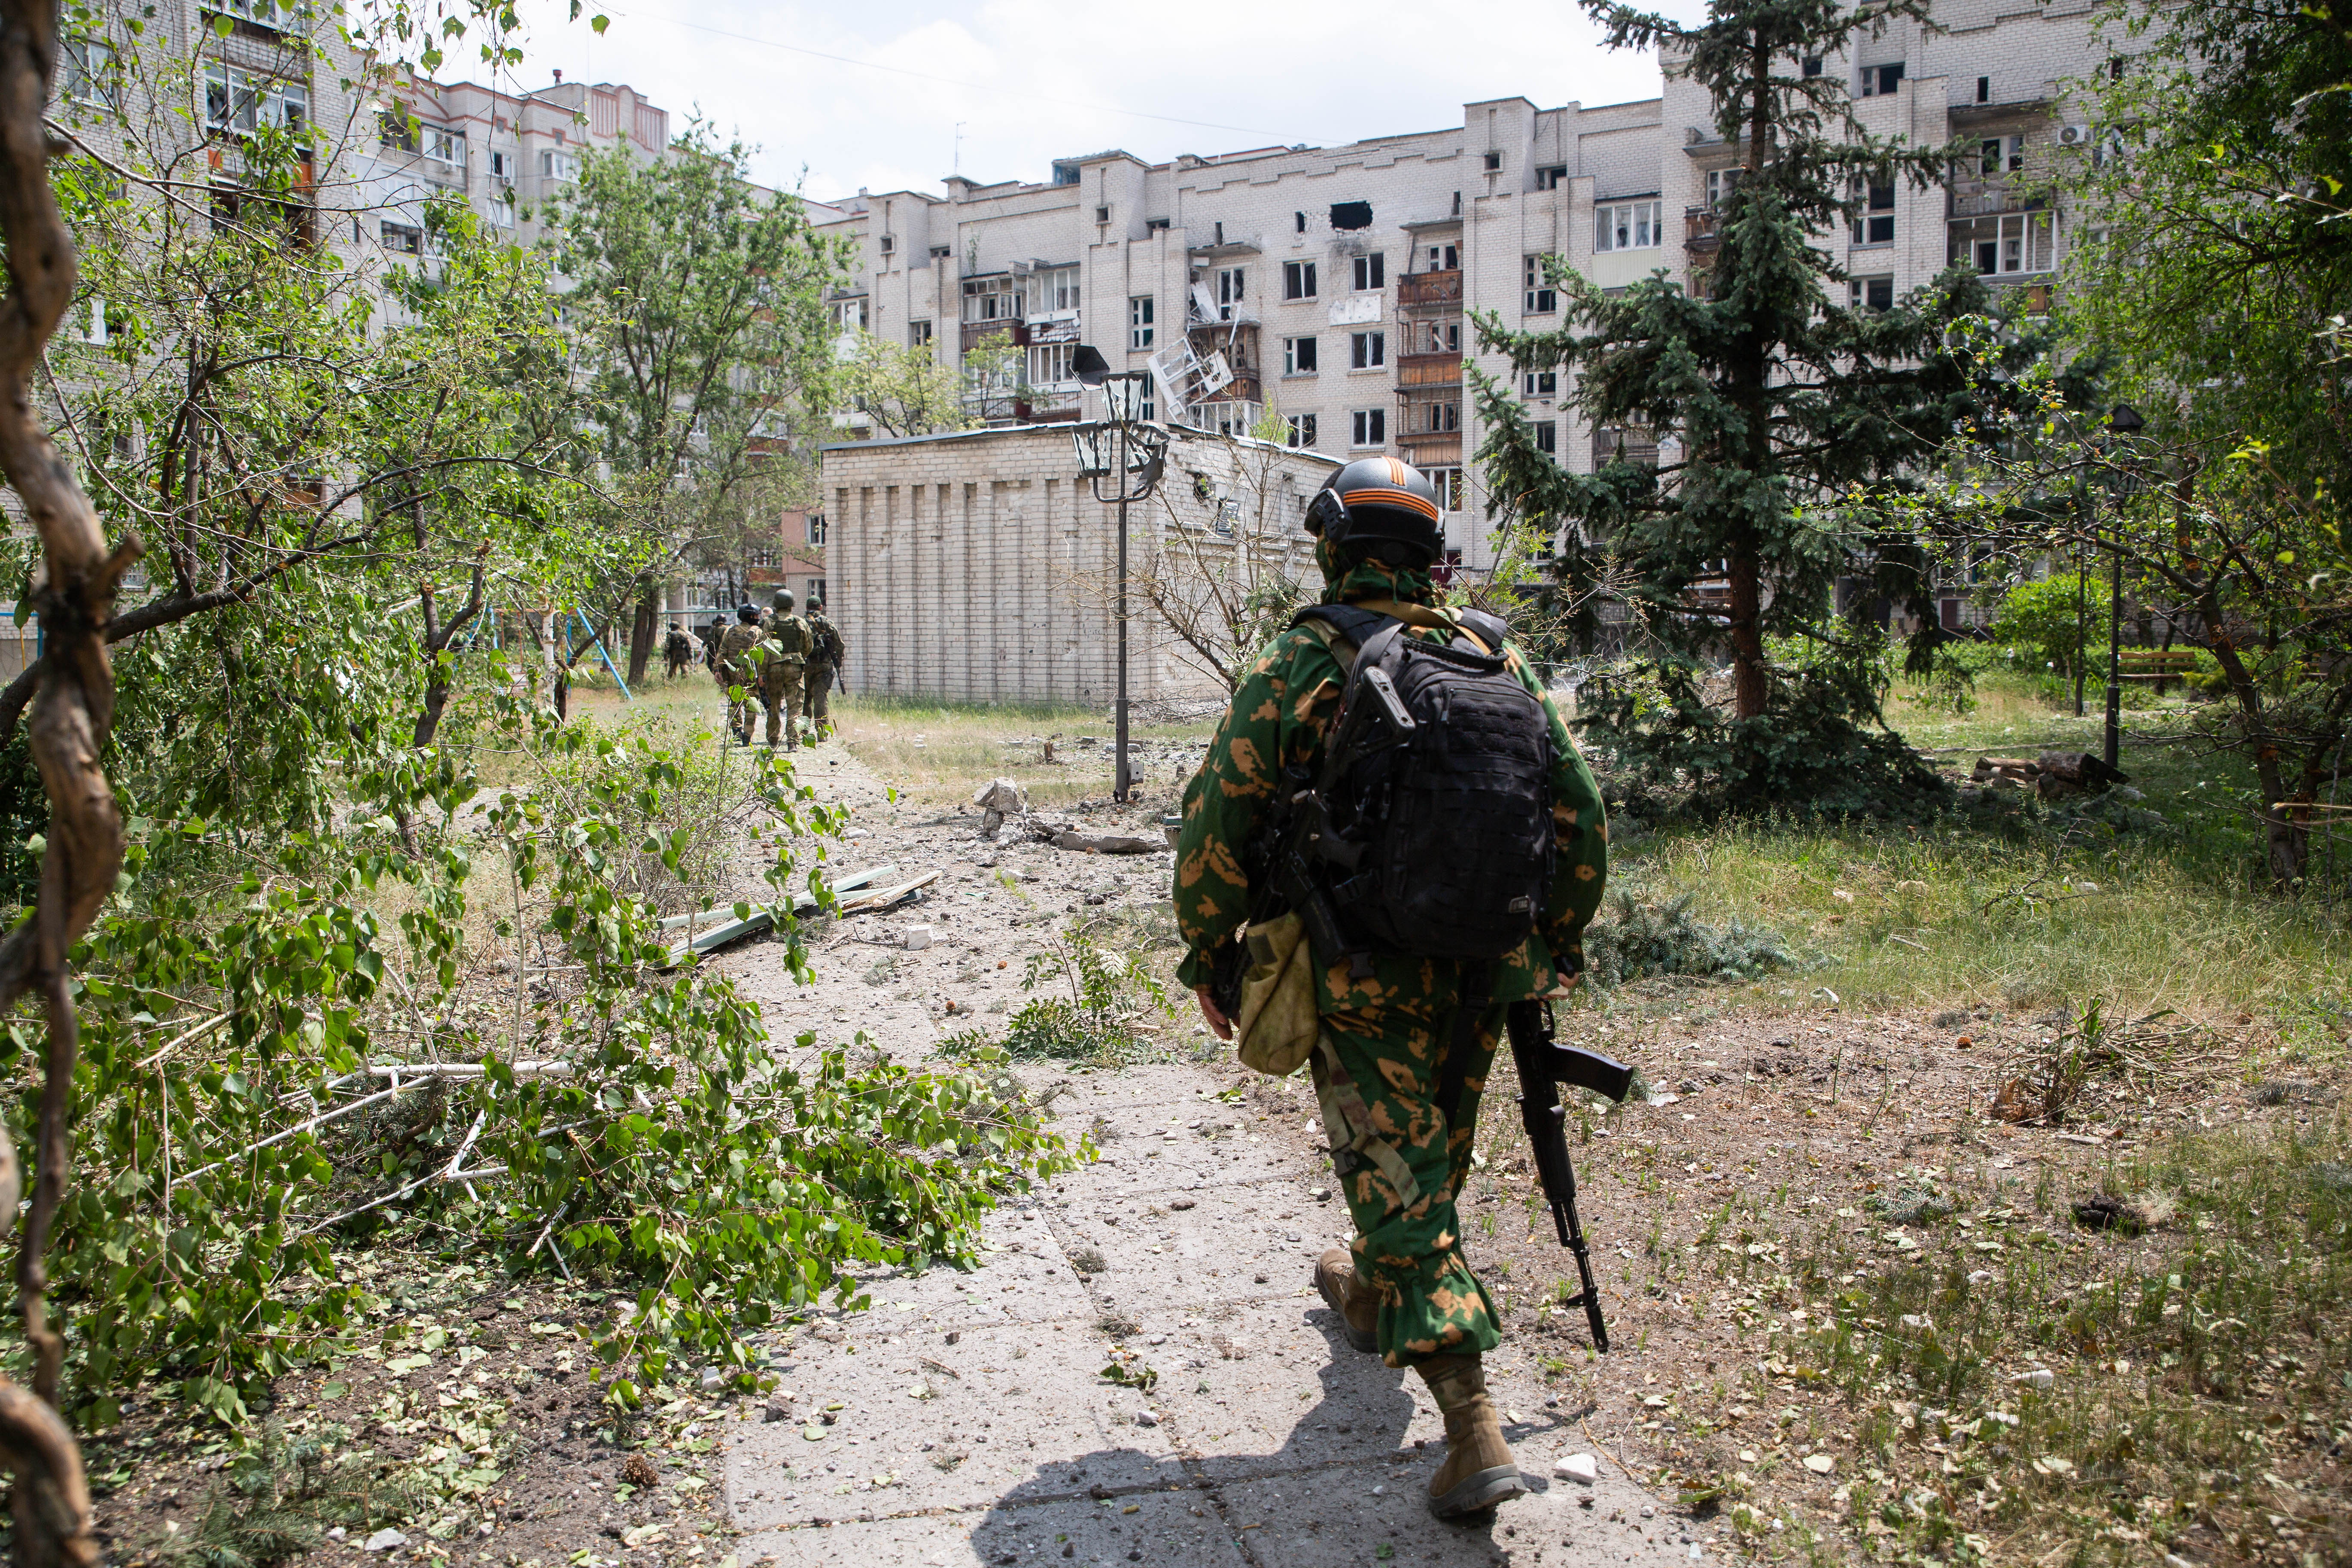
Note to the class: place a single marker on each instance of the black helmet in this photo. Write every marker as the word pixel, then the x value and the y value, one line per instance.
pixel 746 612
pixel 1381 508
pixel 783 601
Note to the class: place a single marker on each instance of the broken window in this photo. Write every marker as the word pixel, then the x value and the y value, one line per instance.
pixel 1541 383
pixel 402 240
pixel 1367 350
pixel 1298 280
pixel 988 299
pixel 2006 243
pixel 1299 356
pixel 2001 155
pixel 1139 327
pixel 1049 365
pixel 1302 430
pixel 1613 444
pixel 1547 433
pixel 918 336
pixel 1351 215
pixel 1720 184
pixel 1368 428
pixel 1551 176
pixel 1543 297
pixel 1441 417
pixel 1444 258
pixel 1872 294
pixel 1877 81
pixel 1448 483
pixel 1626 225
pixel 1443 338
pixel 1371 271
pixel 1052 290
pixel 242 101
pixel 1230 284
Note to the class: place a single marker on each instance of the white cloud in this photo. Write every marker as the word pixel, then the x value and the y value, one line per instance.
pixel 1031 81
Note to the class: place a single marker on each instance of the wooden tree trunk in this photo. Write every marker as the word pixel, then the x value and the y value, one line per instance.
pixel 73 589
pixel 1751 686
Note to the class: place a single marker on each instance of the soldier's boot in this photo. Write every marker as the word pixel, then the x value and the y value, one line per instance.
pixel 1479 1471
pixel 1356 1303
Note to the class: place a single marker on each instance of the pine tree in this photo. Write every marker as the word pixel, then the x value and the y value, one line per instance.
pixel 1780 397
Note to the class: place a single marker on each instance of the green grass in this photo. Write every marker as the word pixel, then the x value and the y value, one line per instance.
pixel 2198 1372
pixel 2029 914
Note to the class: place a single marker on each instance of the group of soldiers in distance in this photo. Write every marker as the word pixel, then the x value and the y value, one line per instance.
pixel 786 662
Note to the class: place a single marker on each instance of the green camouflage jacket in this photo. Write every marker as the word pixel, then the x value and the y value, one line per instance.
pixel 829 647
pixel 732 668
pixel 1279 718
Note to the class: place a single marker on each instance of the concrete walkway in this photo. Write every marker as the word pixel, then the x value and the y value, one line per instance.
pixel 964 1419
pixel 973 1425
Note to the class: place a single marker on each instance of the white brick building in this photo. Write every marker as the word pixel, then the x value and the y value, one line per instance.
pixel 978 567
pixel 1334 279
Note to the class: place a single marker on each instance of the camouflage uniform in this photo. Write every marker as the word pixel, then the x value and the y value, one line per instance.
pixel 733 666
pixel 824 659
pixel 1377 1065
pixel 785 642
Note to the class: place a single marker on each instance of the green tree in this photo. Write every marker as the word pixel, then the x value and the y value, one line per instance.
pixel 700 307
pixel 904 389
pixel 2211 267
pixel 1781 400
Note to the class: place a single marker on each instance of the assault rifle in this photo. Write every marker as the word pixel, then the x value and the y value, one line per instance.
pixel 1544 1065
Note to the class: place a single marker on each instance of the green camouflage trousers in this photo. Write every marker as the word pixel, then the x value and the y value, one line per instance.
pixel 779 690
pixel 1376 1076
pixel 816 706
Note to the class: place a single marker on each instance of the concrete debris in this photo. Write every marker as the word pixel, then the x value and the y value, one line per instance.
pixel 383 1541
pixel 998 799
pixel 1581 1468
pixel 917 938
pixel 1061 835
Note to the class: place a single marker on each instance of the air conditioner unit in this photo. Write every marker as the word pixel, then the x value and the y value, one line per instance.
pixel 2074 136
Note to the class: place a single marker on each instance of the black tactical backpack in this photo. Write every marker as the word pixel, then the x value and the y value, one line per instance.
pixel 1437 789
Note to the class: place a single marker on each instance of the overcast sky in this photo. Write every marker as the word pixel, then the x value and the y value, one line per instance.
pixel 1030 81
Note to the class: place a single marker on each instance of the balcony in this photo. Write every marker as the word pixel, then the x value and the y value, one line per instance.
pixel 1431 289
pixel 1984 199
pixel 1429 370
pixel 1699 229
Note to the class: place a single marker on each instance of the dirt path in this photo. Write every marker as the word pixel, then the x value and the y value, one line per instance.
pixel 965 1419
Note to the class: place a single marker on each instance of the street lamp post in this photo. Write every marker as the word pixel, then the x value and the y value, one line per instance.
pixel 2126 422
pixel 1132 458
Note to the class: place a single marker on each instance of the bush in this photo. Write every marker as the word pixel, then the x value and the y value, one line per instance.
pixel 1811 751
pixel 2047 619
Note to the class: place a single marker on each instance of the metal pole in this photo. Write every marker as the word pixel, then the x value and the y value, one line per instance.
pixel 2115 657
pixel 2082 609
pixel 1119 776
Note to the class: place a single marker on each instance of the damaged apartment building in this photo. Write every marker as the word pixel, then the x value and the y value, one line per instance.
pixel 1329 288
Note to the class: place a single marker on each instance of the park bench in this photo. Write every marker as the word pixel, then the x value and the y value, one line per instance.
pixel 2157 663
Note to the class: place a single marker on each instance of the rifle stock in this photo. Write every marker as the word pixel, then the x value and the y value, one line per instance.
pixel 1544 1065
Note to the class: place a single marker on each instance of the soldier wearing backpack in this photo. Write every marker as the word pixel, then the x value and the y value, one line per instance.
pixel 1393 808
pixel 786 643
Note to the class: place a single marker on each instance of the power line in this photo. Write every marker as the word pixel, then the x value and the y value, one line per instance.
pixel 948 81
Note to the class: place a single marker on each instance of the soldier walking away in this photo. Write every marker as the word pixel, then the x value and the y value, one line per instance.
pixel 712 636
pixel 678 651
pixel 1434 848
pixel 787 645
pixel 824 663
pixel 732 664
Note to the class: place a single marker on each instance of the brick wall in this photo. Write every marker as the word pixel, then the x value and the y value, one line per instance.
pixel 979 567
